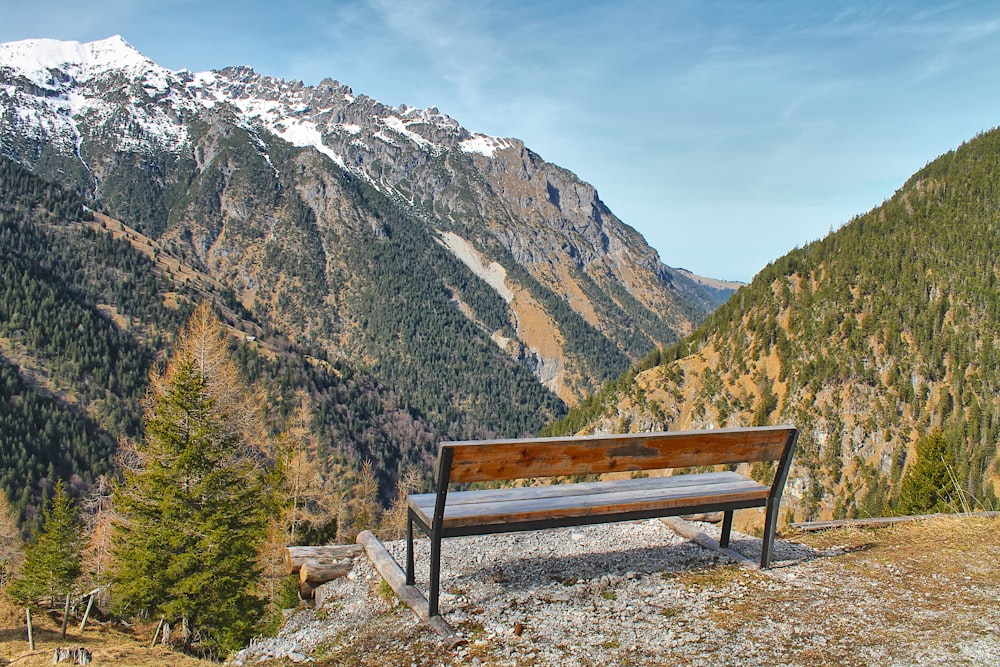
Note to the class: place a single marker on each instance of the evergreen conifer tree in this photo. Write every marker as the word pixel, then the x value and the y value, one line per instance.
pixel 194 502
pixel 927 486
pixel 52 557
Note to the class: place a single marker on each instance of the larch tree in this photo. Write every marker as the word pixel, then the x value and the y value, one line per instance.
pixel 311 502
pixel 393 525
pixel 362 510
pixel 11 545
pixel 98 517
pixel 194 501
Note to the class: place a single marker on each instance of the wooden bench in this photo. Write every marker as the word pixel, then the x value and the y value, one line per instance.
pixel 479 512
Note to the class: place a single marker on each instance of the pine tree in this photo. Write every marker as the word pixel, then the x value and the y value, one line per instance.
pixel 927 485
pixel 52 557
pixel 194 502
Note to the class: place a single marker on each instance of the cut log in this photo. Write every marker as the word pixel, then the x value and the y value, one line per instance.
pixel 306 590
pixel 320 573
pixel 77 654
pixel 707 517
pixel 691 532
pixel 877 522
pixel 294 557
pixel 410 596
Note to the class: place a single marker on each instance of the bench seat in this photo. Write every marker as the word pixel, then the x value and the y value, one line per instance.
pixel 513 509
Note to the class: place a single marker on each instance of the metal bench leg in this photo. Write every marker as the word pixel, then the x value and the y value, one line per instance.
pixel 410 575
pixel 435 582
pixel 770 526
pixel 727 527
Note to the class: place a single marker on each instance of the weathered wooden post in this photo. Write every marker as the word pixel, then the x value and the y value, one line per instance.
pixel 65 616
pixel 157 633
pixel 31 637
pixel 86 614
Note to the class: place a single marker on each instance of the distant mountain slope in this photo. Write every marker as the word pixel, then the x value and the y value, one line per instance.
pixel 389 236
pixel 87 304
pixel 867 340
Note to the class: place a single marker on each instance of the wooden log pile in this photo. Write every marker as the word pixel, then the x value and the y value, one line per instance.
pixel 318 565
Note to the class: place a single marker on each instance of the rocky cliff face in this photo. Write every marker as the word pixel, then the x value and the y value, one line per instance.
pixel 310 203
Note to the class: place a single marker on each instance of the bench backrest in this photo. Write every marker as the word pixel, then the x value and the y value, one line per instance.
pixel 490 460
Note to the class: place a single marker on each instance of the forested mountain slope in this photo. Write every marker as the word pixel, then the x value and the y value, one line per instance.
pixel 87 306
pixel 868 340
pixel 392 237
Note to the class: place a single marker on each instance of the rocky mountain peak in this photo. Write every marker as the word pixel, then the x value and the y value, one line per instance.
pixel 47 62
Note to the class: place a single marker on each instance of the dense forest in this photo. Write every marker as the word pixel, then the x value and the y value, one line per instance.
pixel 879 337
pixel 72 379
pixel 426 349
pixel 83 320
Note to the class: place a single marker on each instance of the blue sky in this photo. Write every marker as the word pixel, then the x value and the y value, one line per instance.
pixel 727 132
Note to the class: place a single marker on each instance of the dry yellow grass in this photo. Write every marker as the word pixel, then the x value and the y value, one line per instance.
pixel 933 584
pixel 110 644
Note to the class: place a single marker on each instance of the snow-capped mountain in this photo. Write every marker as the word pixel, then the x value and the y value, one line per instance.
pixel 303 200
pixel 57 88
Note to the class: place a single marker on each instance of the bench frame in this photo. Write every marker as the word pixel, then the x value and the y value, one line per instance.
pixel 496 460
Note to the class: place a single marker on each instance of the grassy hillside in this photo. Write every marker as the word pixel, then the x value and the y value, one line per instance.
pixel 109 643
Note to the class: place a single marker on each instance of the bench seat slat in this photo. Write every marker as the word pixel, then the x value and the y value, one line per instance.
pixel 614 497
pixel 575 488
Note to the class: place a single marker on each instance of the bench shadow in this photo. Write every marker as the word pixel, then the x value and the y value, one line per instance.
pixel 534 571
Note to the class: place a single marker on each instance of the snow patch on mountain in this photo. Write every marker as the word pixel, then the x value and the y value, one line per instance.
pixel 304 133
pixel 36 58
pixel 78 74
pixel 399 127
pixel 484 145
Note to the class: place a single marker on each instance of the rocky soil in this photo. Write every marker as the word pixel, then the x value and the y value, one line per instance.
pixel 637 594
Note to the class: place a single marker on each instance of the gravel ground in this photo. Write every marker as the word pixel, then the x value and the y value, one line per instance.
pixel 638 594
